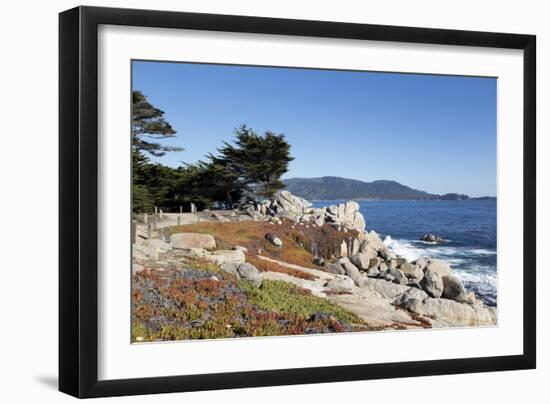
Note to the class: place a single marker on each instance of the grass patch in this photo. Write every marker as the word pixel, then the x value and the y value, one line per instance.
pixel 195 304
pixel 284 297
pixel 300 243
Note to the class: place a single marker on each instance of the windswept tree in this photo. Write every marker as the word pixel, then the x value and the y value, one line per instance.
pixel 149 126
pixel 258 160
pixel 220 181
pixel 152 184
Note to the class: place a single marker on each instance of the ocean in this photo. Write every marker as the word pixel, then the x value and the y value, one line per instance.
pixel 468 228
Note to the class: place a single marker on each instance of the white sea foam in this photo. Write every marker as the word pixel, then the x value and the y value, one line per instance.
pixel 478 274
pixel 413 249
pixel 481 251
pixel 404 248
pixel 480 277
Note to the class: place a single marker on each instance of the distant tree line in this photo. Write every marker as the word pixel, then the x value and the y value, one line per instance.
pixel 250 165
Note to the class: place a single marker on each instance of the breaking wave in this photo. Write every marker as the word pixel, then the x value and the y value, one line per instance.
pixel 469 264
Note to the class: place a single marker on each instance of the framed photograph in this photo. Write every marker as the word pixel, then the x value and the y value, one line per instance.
pixel 251 201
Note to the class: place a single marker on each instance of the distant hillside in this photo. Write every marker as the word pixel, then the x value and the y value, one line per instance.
pixel 327 188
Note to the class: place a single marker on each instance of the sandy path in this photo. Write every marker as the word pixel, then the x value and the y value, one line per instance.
pixel 168 220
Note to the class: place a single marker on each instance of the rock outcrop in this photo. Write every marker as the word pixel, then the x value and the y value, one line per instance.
pixel 192 240
pixel 433 290
pixel 283 204
pixel 345 214
pixel 284 201
pixel 219 257
pixel 361 274
pixel 432 283
pixel 243 270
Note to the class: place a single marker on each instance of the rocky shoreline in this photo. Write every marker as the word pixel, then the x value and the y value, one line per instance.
pixel 359 274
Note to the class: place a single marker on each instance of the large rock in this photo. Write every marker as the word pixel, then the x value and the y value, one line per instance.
pixel 388 290
pixel 285 201
pixel 362 260
pixel 397 276
pixel 230 268
pixel 219 257
pixel 454 290
pixel 347 214
pixel 226 256
pixel 250 273
pixel 412 300
pixel 350 208
pixel 192 240
pixel 441 268
pixel 371 240
pixel 432 284
pixel 357 221
pixel 244 271
pixel 351 270
pixel 273 239
pixel 151 248
pixel 452 313
pixel 340 284
pixel 412 272
pixel 334 269
pixel 421 263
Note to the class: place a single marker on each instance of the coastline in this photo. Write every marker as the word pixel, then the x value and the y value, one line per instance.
pixel 324 252
pixel 473 199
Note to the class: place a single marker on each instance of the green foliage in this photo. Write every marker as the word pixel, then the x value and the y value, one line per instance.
pixel 258 160
pixel 284 297
pixel 211 181
pixel 148 123
pixel 141 199
pixel 192 304
pixel 153 184
pixel 253 162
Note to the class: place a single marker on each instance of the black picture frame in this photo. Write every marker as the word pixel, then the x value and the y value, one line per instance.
pixel 78 201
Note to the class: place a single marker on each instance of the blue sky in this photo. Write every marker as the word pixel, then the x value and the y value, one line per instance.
pixel 434 133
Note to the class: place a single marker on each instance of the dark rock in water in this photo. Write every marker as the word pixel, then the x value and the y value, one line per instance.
pixel 431 238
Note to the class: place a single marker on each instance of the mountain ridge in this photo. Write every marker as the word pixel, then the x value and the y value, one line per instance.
pixel 333 188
